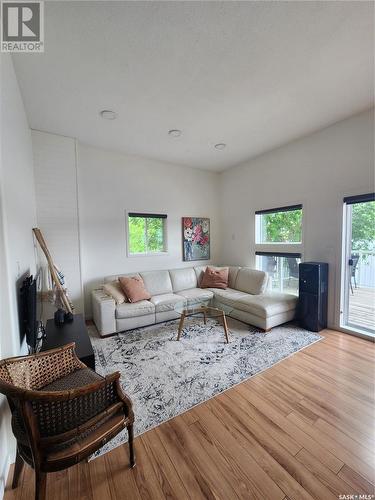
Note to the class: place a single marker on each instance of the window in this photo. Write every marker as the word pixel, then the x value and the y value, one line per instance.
pixel 278 246
pixel 279 225
pixel 146 233
pixel 283 270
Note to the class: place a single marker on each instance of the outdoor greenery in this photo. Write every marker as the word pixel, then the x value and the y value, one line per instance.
pixel 363 226
pixel 286 227
pixel 146 234
pixel 282 227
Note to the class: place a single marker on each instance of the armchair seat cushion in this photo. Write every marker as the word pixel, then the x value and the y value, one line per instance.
pixel 73 380
pixel 166 301
pixel 132 310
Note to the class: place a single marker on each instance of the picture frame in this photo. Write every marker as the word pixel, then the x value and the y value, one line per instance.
pixel 195 238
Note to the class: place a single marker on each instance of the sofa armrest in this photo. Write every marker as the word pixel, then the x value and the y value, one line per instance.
pixel 104 309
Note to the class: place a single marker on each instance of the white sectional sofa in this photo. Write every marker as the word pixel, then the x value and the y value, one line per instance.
pixel 247 294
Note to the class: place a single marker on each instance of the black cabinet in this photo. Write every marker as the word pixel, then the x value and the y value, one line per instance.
pixel 76 331
pixel 313 295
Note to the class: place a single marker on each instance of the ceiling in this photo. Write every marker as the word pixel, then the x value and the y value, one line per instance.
pixel 253 75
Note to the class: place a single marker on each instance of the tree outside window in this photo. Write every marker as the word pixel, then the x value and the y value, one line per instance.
pixel 147 233
pixel 363 227
pixel 279 227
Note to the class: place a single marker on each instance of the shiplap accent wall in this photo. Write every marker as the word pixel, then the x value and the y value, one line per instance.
pixel 55 171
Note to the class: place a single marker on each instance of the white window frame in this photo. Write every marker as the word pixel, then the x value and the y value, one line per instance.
pixel 258 230
pixel 281 247
pixel 165 234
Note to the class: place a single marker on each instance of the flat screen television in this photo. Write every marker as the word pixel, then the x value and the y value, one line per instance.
pixel 31 311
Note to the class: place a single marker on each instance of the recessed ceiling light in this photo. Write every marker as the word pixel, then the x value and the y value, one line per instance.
pixel 107 114
pixel 220 146
pixel 174 132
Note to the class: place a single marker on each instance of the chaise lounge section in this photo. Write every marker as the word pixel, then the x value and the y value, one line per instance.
pixel 247 294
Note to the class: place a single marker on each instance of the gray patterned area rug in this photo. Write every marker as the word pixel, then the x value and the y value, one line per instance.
pixel 164 377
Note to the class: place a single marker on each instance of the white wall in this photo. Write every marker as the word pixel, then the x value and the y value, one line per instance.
pixel 82 194
pixel 318 171
pixel 110 183
pixel 17 218
pixel 55 171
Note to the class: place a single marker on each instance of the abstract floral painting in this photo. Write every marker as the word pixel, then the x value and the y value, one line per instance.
pixel 196 238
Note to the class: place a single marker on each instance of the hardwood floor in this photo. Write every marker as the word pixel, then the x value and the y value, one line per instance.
pixel 302 429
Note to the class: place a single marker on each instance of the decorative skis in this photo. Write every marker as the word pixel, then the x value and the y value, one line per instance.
pixel 56 275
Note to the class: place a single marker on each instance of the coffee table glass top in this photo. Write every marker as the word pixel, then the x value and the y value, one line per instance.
pixel 210 308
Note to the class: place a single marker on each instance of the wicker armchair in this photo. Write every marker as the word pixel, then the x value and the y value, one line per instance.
pixel 62 411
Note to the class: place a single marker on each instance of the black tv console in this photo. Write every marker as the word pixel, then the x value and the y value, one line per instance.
pixel 76 331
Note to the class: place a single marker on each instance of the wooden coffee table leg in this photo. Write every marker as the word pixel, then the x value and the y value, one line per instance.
pixel 225 327
pixel 181 325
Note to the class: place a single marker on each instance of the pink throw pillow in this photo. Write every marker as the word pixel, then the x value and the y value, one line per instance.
pixel 134 288
pixel 215 277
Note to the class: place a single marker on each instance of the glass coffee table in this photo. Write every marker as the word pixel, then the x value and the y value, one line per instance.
pixel 205 308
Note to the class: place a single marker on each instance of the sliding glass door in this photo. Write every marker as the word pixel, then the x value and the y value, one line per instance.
pixel 358 304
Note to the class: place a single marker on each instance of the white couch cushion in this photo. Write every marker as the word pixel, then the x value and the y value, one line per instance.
pixel 251 281
pixel 195 294
pixel 268 304
pixel 228 296
pixel 232 275
pixel 157 282
pixel 131 310
pixel 183 279
pixel 167 301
